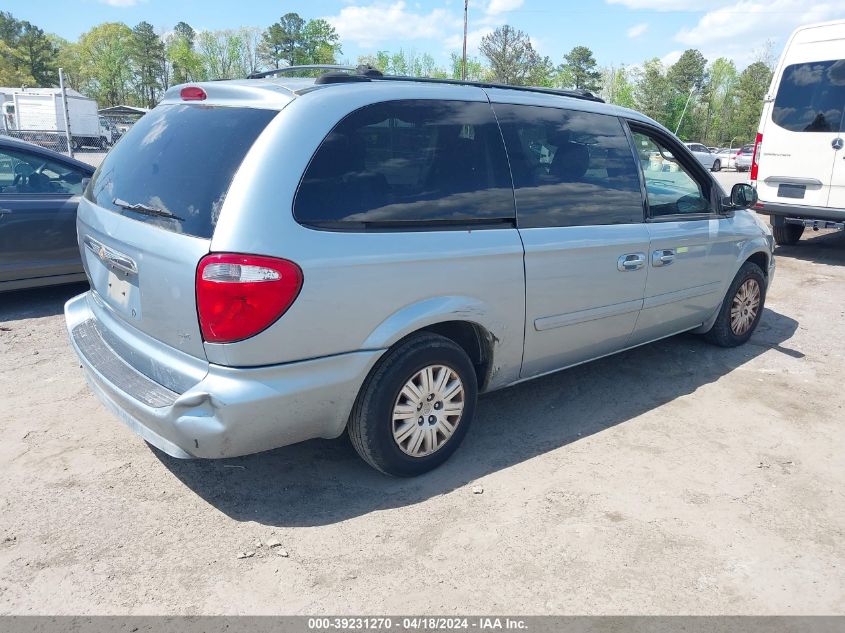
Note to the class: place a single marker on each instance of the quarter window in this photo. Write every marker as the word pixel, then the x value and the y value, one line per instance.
pixel 671 189
pixel 570 168
pixel 406 162
pixel 811 97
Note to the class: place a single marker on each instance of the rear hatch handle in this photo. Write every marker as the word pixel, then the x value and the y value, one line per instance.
pixel 111 257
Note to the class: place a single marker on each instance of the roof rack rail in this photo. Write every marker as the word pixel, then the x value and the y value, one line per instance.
pixel 363 70
pixel 575 93
pixel 344 74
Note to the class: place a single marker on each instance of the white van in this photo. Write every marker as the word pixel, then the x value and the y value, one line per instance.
pixel 799 160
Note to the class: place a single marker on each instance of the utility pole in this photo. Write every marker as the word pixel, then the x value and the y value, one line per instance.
pixel 464 57
pixel 68 133
pixel 684 111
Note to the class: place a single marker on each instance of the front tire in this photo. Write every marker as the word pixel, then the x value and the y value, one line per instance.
pixel 741 309
pixel 415 407
pixel 787 234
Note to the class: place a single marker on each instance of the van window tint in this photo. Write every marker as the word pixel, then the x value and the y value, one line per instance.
pixel 179 160
pixel 570 168
pixel 408 162
pixel 811 97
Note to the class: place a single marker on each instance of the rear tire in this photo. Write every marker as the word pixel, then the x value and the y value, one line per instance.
pixel 404 436
pixel 741 308
pixel 717 165
pixel 787 234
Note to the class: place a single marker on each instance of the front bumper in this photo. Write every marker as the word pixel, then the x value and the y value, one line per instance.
pixel 229 412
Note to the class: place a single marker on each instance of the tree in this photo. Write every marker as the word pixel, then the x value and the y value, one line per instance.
pixel 147 57
pixel 185 62
pixel 283 41
pixel 105 73
pixel 510 53
pixel 617 87
pixel 651 93
pixel 751 89
pixel 718 100
pixel 320 43
pixel 475 69
pixel 579 70
pixel 27 54
pixel 687 80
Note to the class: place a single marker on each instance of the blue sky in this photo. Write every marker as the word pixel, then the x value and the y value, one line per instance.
pixel 619 31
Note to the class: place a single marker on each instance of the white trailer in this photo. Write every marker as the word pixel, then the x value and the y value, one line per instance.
pixel 37 114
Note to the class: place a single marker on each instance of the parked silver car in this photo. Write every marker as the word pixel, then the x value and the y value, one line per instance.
pixel 706 157
pixel 274 260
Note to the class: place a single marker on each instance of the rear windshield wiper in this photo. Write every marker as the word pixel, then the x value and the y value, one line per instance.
pixel 146 210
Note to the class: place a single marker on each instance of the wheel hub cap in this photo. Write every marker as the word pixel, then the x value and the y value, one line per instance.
pixel 745 305
pixel 427 411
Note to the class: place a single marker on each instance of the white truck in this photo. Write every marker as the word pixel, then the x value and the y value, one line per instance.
pixel 37 115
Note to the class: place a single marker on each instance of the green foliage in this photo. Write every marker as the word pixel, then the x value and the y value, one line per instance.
pixel 512 57
pixel 579 70
pixel 27 54
pixel 116 64
pixel 148 60
pixel 105 72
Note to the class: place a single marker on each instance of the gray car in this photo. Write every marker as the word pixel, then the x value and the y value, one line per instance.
pixel 706 156
pixel 274 260
pixel 39 193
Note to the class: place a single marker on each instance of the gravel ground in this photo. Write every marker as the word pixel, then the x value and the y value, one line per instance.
pixel 674 479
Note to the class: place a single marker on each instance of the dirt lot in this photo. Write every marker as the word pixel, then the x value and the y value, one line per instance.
pixel 676 478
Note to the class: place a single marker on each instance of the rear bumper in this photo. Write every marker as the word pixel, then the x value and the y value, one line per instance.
pixel 798 211
pixel 230 411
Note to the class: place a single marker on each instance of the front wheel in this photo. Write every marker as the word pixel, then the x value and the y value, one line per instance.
pixel 415 407
pixel 717 165
pixel 741 309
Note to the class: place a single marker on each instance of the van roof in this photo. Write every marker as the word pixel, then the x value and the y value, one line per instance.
pixel 276 92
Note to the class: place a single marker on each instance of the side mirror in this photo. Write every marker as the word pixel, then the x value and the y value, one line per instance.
pixel 743 196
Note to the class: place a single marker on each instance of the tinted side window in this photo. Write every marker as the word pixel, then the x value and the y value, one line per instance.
pixel 570 168
pixel 408 162
pixel 811 97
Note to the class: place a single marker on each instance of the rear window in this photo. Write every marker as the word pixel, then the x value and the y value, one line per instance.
pixel 406 163
pixel 811 97
pixel 175 165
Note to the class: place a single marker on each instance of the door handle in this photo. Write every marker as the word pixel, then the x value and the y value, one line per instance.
pixel 4 213
pixel 662 257
pixel 630 261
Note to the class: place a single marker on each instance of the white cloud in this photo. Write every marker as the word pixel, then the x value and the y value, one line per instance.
pixel 665 5
pixel 497 7
pixel 637 30
pixel 754 21
pixel 670 58
pixel 473 39
pixel 121 3
pixel 367 25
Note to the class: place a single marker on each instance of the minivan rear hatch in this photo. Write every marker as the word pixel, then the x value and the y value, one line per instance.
pixel 148 215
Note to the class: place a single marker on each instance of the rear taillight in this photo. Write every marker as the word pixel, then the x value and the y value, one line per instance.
pixel 755 156
pixel 238 296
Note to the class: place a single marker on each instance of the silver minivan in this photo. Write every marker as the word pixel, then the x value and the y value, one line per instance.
pixel 273 260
